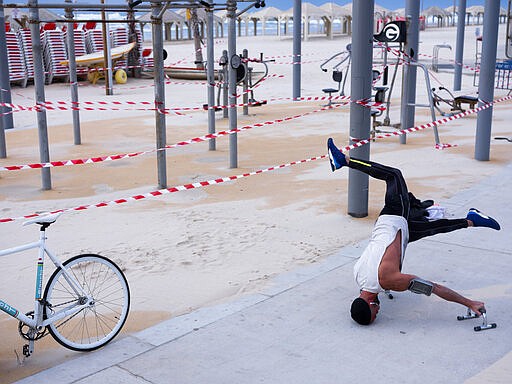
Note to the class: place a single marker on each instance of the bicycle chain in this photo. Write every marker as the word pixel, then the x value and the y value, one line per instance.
pixel 44 333
pixel 61 304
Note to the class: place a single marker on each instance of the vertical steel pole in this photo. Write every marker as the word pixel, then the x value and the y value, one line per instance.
pixel 225 83
pixel 73 80
pixel 412 13
pixel 159 81
pixel 297 55
pixel 5 85
pixel 361 86
pixel 459 47
pixel 4 81
pixel 210 74
pixel 44 150
pixel 109 89
pixel 232 110
pixel 486 79
pixel 245 55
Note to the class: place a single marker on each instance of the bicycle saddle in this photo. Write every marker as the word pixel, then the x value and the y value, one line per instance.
pixel 47 219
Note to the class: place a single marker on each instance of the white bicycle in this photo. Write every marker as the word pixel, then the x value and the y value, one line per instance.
pixel 85 302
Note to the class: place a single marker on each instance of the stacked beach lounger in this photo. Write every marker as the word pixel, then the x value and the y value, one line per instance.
pixel 17 69
pixel 118 37
pixel 54 44
pixel 80 48
pixel 146 60
pixel 93 40
pixel 54 51
pixel 25 43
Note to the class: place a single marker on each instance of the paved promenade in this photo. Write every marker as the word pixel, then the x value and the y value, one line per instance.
pixel 298 329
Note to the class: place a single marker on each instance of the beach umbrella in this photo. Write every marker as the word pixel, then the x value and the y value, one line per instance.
pixel 168 17
pixel 434 11
pixel 476 10
pixel 450 9
pixel 335 10
pixel 348 8
pixel 380 9
pixel 308 10
pixel 266 13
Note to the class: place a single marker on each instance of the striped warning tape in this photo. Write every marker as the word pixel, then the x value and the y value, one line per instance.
pixel 199 139
pixel 162 192
pixel 201 184
pixel 115 105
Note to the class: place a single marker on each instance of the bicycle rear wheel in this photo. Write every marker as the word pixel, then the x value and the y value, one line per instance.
pixel 95 325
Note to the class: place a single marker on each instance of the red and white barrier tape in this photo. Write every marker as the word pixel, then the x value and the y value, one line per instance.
pixel 201 184
pixel 102 105
pixel 162 192
pixel 223 133
pixel 90 105
pixel 199 139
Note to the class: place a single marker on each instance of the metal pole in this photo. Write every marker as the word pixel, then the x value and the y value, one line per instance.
pixel 361 85
pixel 37 49
pixel 159 81
pixel 245 55
pixel 225 80
pixel 296 58
pixel 72 75
pixel 109 90
pixel 5 85
pixel 4 79
pixel 232 110
pixel 486 79
pixel 412 12
pixel 459 47
pixel 210 73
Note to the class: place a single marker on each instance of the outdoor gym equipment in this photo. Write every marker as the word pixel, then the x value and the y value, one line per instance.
pixel 249 84
pixel 244 77
pixel 341 57
pixel 337 76
pixel 454 102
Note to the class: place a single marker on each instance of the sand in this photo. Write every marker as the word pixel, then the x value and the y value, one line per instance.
pixel 195 248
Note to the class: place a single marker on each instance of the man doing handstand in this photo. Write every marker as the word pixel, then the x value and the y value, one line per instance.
pixel 380 266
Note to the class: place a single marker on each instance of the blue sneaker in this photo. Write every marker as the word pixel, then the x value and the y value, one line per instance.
pixel 336 157
pixel 481 220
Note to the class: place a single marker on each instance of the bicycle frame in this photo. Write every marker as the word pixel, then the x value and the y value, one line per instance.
pixel 37 321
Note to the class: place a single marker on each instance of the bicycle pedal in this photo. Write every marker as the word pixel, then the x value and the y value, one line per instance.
pixel 26 351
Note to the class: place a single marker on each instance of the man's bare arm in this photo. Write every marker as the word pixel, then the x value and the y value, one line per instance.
pixel 450 295
pixel 400 282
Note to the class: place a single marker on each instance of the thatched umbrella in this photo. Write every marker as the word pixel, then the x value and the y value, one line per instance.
pixel 265 14
pixel 435 12
pixel 169 18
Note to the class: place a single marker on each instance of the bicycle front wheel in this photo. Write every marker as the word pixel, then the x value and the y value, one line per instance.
pixel 95 325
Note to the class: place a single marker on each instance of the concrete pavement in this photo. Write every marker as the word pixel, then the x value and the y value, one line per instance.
pixel 298 330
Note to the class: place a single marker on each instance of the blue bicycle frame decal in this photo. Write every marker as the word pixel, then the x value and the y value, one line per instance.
pixel 39 281
pixel 8 309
